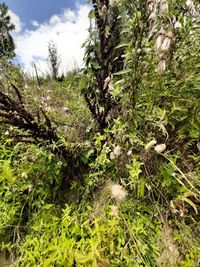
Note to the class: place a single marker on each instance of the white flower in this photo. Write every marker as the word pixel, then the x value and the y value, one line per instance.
pixel 150 144
pixel 177 25
pixel 189 3
pixel 65 109
pixel 112 155
pixel 114 210
pixel 164 7
pixel 118 192
pixel 6 133
pixel 129 153
pixel 24 174
pixel 160 148
pixel 117 151
pixel 161 66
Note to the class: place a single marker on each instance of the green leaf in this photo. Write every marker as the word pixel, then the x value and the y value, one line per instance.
pixel 121 72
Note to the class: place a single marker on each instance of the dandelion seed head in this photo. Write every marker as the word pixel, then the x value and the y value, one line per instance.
pixel 118 192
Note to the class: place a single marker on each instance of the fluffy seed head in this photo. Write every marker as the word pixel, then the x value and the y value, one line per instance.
pixel 118 192
pixel 189 3
pixel 160 148
pixel 117 151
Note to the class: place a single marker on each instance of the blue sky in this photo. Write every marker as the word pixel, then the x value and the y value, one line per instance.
pixel 38 22
pixel 39 10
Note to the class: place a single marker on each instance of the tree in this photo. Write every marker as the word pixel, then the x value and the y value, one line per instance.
pixel 7 45
pixel 54 60
pixel 103 59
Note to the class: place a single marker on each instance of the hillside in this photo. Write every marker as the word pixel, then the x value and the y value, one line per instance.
pixel 101 167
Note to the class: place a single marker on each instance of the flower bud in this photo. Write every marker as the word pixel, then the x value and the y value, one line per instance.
pixel 106 82
pixel 150 144
pixel 177 25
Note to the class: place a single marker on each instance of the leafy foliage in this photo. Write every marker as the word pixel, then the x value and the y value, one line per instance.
pixel 126 190
pixel 7 45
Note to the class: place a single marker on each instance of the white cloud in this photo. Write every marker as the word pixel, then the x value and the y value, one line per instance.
pixel 16 21
pixel 67 30
pixel 35 23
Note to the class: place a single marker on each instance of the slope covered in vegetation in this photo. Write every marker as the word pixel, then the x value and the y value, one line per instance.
pixel 103 168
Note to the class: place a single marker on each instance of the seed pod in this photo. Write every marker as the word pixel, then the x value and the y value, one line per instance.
pixel 104 11
pixel 164 7
pixel 166 42
pixel 159 40
pixel 161 66
pixel 153 17
pixel 150 5
pixel 106 82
